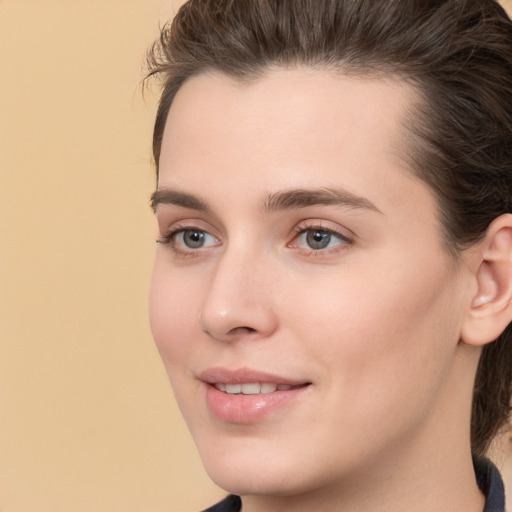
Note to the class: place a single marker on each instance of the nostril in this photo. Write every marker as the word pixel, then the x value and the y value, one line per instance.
pixel 242 330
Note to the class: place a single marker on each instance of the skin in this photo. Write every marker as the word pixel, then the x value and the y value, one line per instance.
pixel 373 321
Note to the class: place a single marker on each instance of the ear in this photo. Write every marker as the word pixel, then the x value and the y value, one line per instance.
pixel 491 307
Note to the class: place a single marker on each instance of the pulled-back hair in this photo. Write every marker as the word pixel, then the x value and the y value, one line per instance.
pixel 457 54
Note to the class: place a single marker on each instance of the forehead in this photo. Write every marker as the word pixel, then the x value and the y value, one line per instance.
pixel 292 104
pixel 290 127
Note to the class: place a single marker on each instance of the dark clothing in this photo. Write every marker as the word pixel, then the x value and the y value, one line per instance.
pixel 491 484
pixel 231 503
pixel 487 477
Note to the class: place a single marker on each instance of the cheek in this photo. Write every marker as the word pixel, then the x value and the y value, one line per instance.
pixel 172 307
pixel 394 330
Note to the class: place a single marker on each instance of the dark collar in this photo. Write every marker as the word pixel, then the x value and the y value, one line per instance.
pixel 491 484
pixel 231 503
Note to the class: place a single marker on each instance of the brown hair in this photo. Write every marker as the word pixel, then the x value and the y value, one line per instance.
pixel 456 53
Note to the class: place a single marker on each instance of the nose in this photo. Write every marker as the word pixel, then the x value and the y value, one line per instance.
pixel 238 304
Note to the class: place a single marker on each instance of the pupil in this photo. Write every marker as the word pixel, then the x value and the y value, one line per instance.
pixel 318 239
pixel 193 239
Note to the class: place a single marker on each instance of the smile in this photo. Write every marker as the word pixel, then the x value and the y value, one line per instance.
pixel 244 396
pixel 253 388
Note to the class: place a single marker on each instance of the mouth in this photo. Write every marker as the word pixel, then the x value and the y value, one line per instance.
pixel 255 388
pixel 246 396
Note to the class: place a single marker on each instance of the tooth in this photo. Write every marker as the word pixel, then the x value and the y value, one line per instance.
pixel 233 388
pixel 268 388
pixel 251 389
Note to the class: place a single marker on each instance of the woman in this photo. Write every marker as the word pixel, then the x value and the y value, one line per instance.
pixel 332 290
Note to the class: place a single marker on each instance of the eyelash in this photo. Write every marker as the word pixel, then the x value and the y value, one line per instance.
pixel 169 239
pixel 300 229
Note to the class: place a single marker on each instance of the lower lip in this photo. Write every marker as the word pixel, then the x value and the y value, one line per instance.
pixel 246 409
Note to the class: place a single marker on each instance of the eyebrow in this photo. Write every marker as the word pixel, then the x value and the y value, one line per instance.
pixel 175 197
pixel 284 200
pixel 302 198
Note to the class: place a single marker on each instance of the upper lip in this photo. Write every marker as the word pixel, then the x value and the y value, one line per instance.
pixel 220 375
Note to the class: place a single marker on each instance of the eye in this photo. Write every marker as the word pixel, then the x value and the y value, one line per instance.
pixel 318 239
pixel 194 238
pixel 187 240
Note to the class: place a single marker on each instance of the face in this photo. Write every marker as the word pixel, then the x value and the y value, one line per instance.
pixel 301 301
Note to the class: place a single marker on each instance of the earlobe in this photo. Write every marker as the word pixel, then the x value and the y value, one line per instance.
pixel 491 307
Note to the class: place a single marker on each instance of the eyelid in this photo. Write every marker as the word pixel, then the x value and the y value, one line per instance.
pixel 319 225
pixel 188 225
pixel 170 226
pixel 324 225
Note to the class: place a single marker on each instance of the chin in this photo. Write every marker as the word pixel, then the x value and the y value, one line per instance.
pixel 259 468
pixel 254 482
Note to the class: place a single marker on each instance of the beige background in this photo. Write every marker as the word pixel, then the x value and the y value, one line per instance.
pixel 87 419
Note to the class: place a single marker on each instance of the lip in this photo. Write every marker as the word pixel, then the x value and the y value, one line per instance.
pixel 248 409
pixel 245 376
